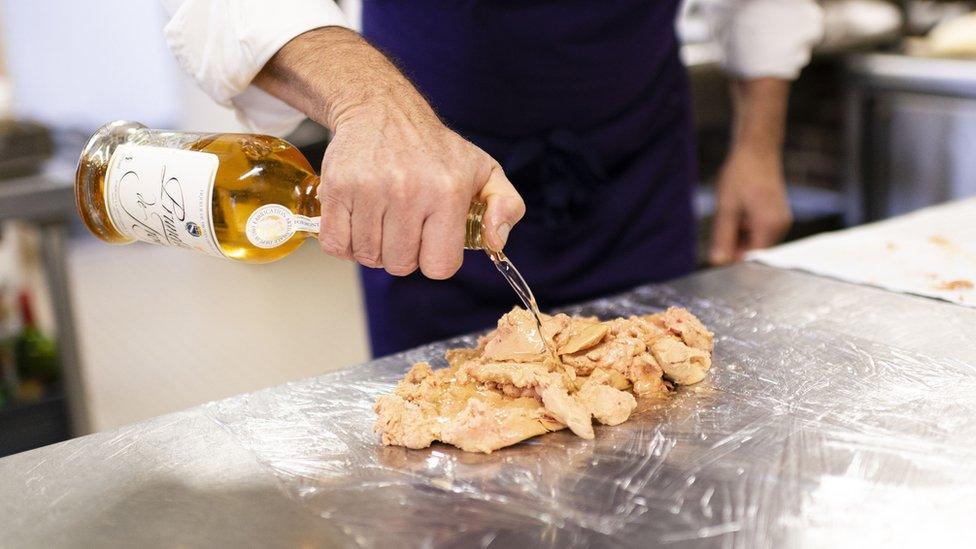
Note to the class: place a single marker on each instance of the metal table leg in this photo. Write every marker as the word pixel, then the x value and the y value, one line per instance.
pixel 53 253
pixel 854 131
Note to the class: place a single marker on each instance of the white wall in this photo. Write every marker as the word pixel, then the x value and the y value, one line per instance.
pixel 82 63
pixel 160 329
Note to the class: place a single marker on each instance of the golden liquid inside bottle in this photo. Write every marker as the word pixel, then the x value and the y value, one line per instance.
pixel 252 171
pixel 255 170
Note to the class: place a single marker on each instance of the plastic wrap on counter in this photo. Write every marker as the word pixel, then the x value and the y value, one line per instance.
pixel 807 432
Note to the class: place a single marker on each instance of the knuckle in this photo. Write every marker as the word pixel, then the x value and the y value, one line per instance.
pixel 367 260
pixel 332 246
pixel 725 209
pixel 460 193
pixel 440 268
pixel 445 181
pixel 520 208
pixel 481 159
pixel 334 194
pixel 332 179
pixel 328 173
pixel 397 178
pixel 773 222
pixel 399 190
pixel 443 192
pixel 450 190
pixel 331 200
pixel 367 254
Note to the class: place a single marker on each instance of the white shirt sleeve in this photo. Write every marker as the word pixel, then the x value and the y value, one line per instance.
pixel 765 38
pixel 223 44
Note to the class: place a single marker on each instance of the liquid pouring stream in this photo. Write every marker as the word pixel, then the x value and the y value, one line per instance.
pixel 515 280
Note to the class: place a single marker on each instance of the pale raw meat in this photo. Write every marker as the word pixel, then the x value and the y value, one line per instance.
pixel 608 405
pixel 516 338
pixel 683 364
pixel 510 388
pixel 686 326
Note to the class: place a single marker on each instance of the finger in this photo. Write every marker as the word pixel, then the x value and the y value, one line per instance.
pixel 763 233
pixel 442 242
pixel 504 209
pixel 725 233
pixel 335 227
pixel 401 240
pixel 367 234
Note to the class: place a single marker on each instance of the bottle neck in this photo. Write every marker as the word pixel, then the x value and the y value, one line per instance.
pixel 90 177
pixel 474 238
pixel 308 202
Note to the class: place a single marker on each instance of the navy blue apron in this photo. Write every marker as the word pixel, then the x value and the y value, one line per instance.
pixel 585 104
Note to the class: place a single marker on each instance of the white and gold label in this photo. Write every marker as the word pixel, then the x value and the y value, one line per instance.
pixel 163 196
pixel 272 225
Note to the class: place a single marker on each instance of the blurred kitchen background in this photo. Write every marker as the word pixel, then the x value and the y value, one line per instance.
pixel 92 336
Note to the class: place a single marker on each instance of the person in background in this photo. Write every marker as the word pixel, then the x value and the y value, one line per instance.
pixel 574 113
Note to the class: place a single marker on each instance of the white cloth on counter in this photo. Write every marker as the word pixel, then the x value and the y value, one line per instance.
pixel 223 44
pixel 931 252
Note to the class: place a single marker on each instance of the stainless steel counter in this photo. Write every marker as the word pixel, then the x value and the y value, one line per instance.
pixel 952 77
pixel 834 414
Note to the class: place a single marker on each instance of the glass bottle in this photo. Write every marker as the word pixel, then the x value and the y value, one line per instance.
pixel 239 196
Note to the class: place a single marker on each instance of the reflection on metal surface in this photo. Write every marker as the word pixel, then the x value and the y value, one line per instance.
pixel 832 413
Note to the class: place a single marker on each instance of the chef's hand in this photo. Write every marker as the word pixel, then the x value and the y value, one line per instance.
pixel 752 209
pixel 396 188
pixel 396 183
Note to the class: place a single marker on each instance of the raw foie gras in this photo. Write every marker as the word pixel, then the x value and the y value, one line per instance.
pixel 510 388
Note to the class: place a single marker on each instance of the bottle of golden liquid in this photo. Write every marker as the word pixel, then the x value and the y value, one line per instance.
pixel 239 196
pixel 245 197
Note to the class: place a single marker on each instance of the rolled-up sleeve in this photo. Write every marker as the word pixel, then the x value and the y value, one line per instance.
pixel 223 44
pixel 765 38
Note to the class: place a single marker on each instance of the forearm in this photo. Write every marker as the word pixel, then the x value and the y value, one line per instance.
pixel 760 107
pixel 396 183
pixel 331 73
pixel 753 208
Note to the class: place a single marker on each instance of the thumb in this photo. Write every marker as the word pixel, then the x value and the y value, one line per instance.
pixel 504 209
pixel 725 230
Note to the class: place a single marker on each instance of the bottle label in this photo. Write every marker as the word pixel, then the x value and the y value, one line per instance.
pixel 272 225
pixel 163 196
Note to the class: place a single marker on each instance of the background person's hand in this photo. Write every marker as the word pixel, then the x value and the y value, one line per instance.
pixel 752 208
pixel 396 183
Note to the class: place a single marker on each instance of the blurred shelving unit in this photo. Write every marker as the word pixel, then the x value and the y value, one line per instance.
pixel 34 424
pixel 45 200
